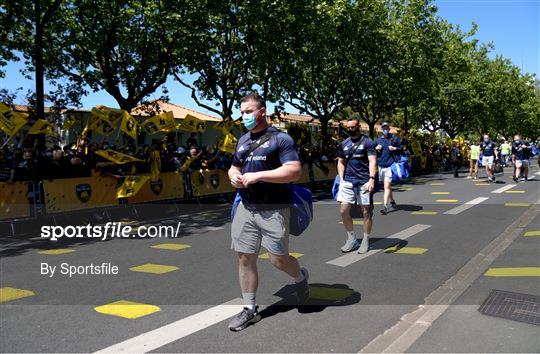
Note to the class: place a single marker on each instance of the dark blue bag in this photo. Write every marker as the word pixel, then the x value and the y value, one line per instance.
pixel 301 209
pixel 400 169
pixel 335 187
pixel 236 202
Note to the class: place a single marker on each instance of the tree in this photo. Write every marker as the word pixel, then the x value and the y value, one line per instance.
pixel 126 47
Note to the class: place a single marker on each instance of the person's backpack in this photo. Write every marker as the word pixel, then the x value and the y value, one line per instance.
pixel 301 208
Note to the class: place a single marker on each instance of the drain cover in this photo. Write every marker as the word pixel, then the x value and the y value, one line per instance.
pixel 512 306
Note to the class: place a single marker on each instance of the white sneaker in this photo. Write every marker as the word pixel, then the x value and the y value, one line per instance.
pixel 364 247
pixel 351 244
pixel 468 177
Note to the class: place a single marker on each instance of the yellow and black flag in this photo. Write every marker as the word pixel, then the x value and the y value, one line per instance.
pixel 69 121
pixel 224 126
pixel 228 143
pixel 192 124
pixel 163 122
pixel 131 186
pixel 129 125
pixel 42 126
pixel 105 120
pixel 117 157
pixel 10 121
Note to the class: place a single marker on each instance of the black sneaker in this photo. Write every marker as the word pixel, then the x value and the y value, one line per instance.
pixel 384 210
pixel 392 207
pixel 302 288
pixel 515 179
pixel 244 319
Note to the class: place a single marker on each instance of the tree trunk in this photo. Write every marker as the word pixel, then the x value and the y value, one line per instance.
pixel 38 62
pixel 405 120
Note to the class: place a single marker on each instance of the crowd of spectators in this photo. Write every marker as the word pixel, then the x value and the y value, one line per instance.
pixel 24 163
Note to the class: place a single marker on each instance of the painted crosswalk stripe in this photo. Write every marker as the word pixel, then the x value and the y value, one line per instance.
pixel 516 204
pixel 437 184
pixel 378 246
pixel 532 233
pixel 57 251
pixel 504 189
pixel 10 294
pixel 513 272
pixel 440 193
pixel 406 250
pixel 466 206
pixel 516 192
pixel 481 184
pixel 447 200
pixel 425 213
pixel 172 332
pixel 355 222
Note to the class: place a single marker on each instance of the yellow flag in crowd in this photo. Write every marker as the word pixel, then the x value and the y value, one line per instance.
pixel 131 186
pixel 224 126
pixel 69 122
pixel 163 122
pixel 117 157
pixel 42 126
pixel 129 125
pixel 10 121
pixel 192 124
pixel 105 120
pixel 228 143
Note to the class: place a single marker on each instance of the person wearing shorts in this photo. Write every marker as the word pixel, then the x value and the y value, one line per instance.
pixel 473 161
pixel 357 169
pixel 261 176
pixel 521 151
pixel 388 148
pixel 489 152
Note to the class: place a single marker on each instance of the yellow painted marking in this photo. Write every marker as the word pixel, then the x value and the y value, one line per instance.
pixel 406 189
pixel 532 233
pixel 127 309
pixel 294 254
pixel 171 246
pixel 516 204
pixel 447 200
pixel 153 268
pixel 406 250
pixel 515 192
pixel 440 193
pixel 481 184
pixel 377 203
pixel 332 294
pixel 437 184
pixel 514 272
pixel 10 294
pixel 425 212
pixel 355 222
pixel 57 251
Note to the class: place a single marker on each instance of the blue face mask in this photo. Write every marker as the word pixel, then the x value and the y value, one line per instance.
pixel 386 131
pixel 249 120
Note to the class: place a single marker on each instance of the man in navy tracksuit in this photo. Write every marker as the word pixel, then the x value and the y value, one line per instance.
pixel 388 148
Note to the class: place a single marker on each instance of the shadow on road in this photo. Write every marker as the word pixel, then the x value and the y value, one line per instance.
pixel 321 297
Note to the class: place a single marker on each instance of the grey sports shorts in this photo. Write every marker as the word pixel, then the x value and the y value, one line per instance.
pixel 269 228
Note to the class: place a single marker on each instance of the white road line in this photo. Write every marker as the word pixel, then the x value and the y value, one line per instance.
pixel 159 337
pixel 378 246
pixel 466 206
pixel 504 189
pixel 537 173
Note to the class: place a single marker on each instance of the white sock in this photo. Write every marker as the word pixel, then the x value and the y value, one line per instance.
pixel 366 237
pixel 249 300
pixel 351 234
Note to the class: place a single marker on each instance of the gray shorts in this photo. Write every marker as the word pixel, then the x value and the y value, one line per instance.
pixel 269 228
